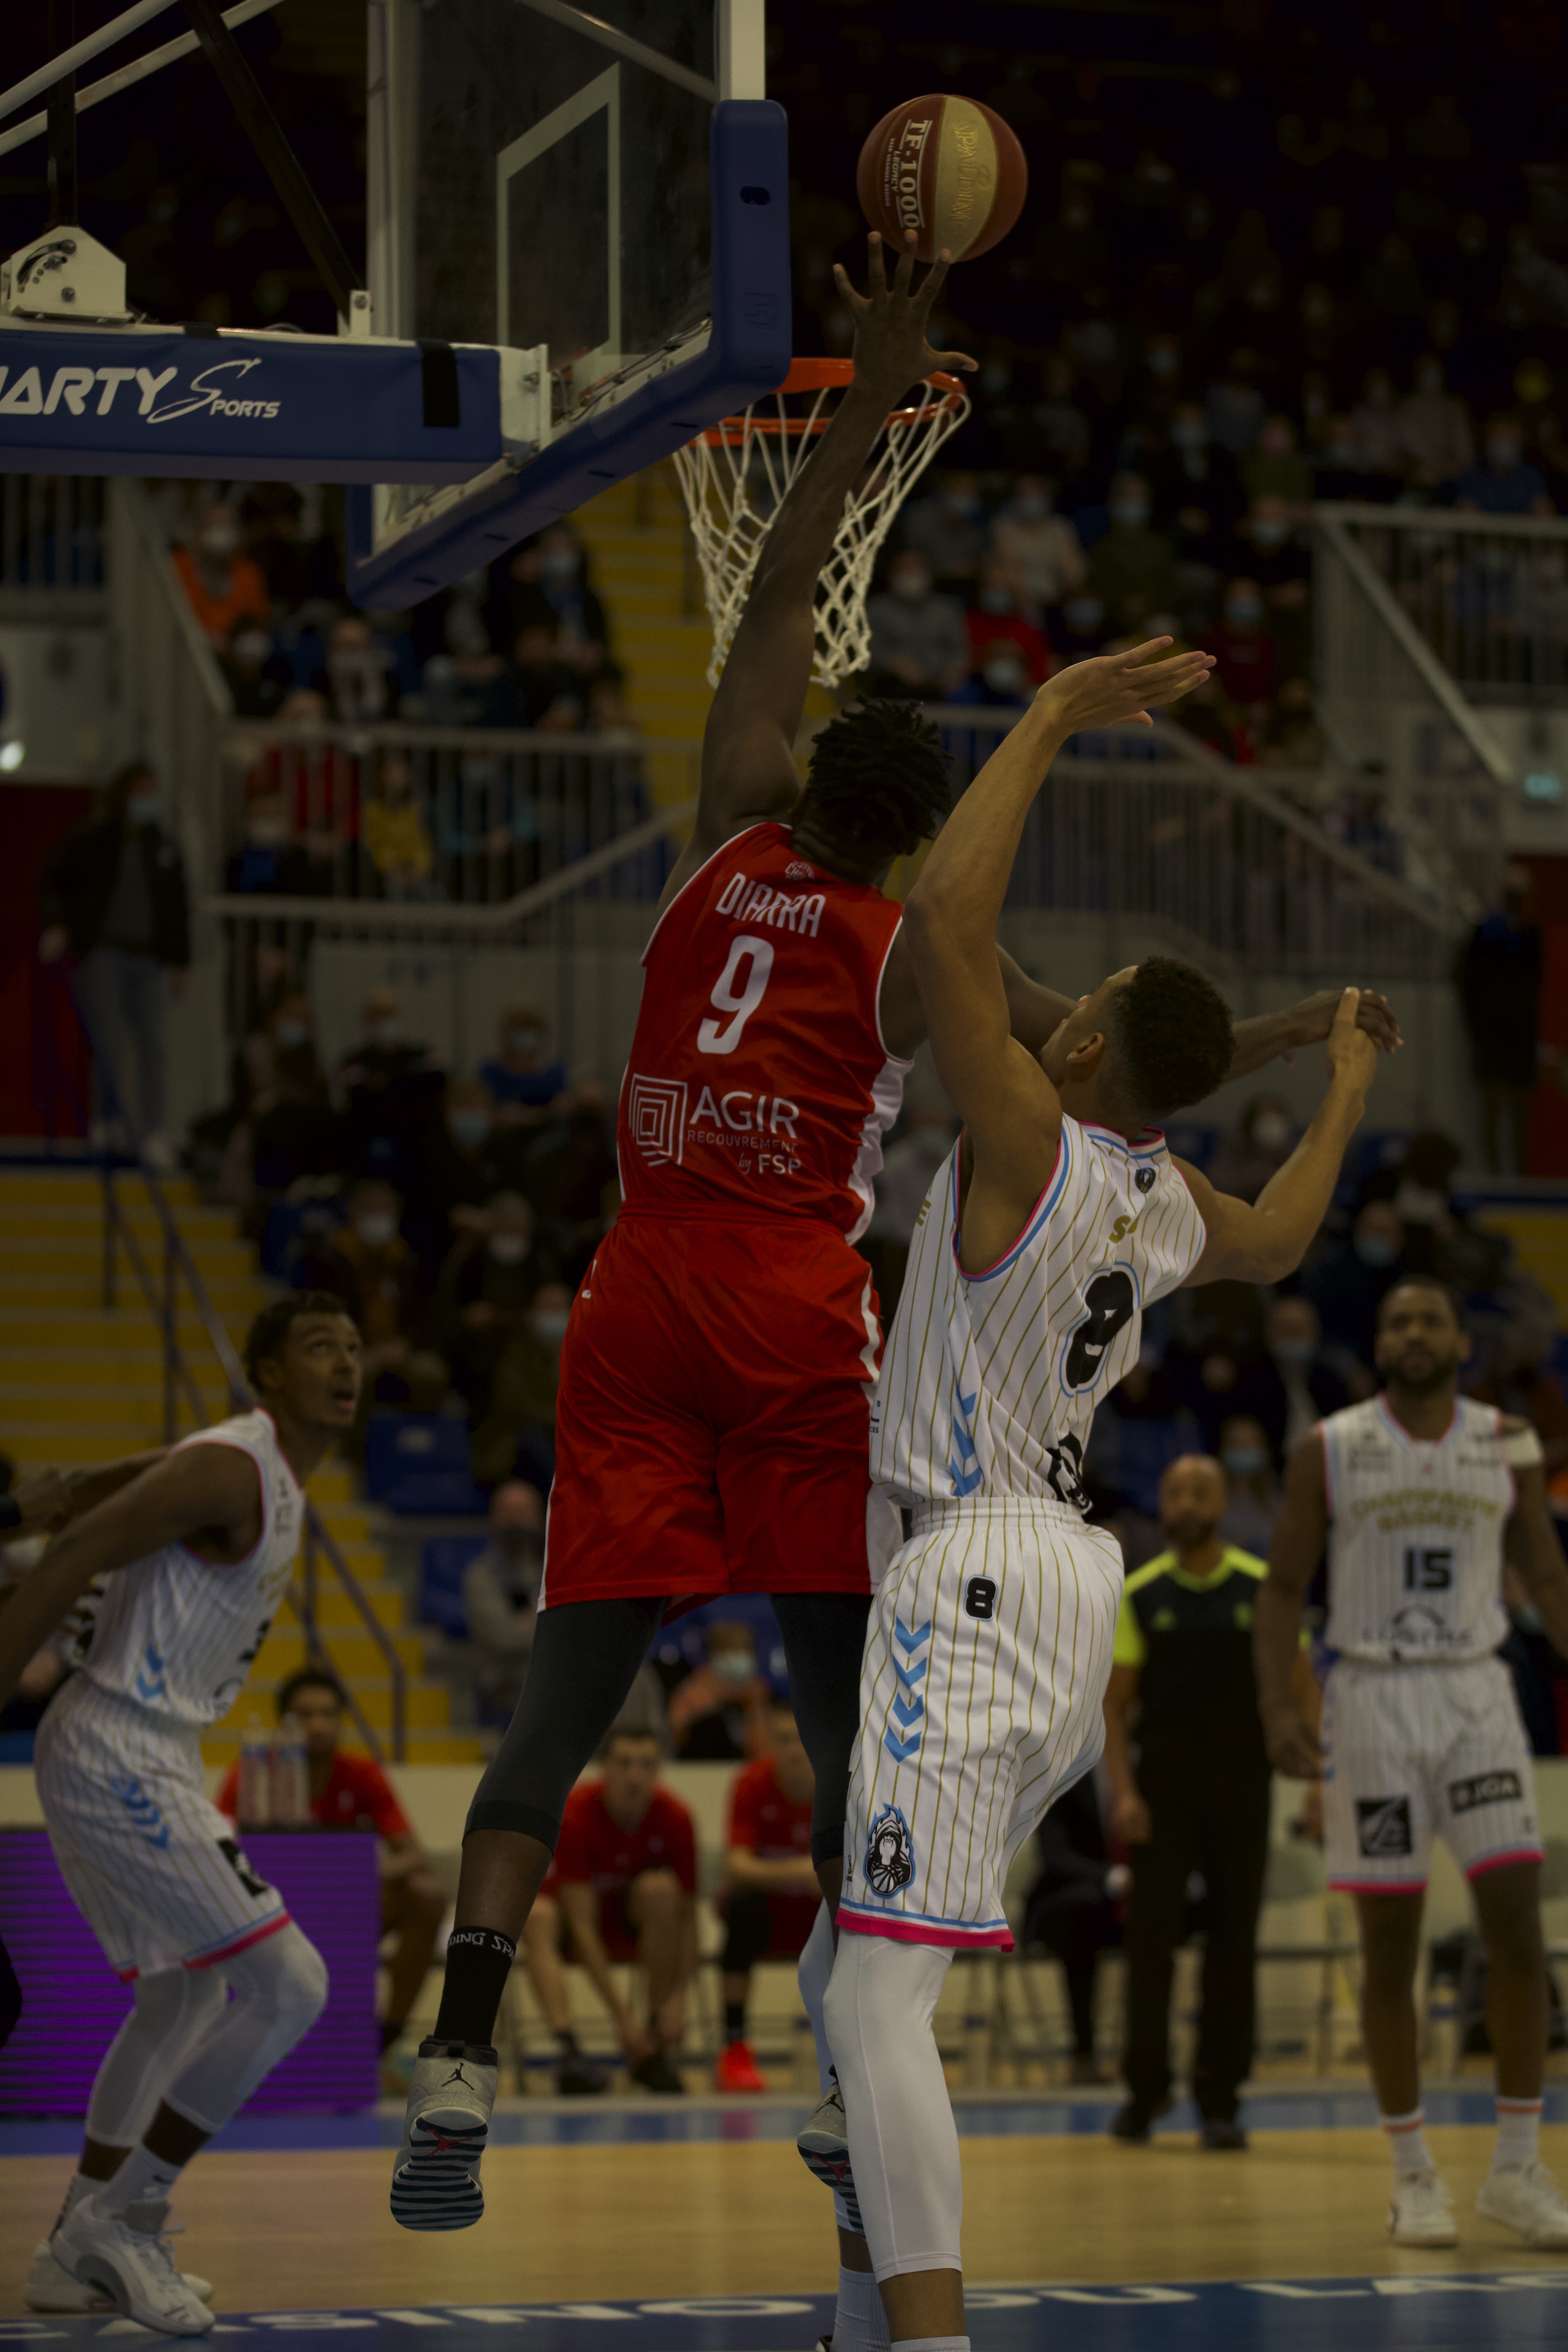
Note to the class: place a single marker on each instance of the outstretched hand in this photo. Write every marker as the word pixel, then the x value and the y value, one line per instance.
pixel 1119 690
pixel 891 347
pixel 1352 1054
pixel 1313 1018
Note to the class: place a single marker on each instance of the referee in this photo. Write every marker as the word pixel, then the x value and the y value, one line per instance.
pixel 1195 1799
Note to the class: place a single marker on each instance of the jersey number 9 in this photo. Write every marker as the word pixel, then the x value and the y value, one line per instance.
pixel 722 1038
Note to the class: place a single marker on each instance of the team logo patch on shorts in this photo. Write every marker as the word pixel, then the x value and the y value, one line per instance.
pixel 1383 1827
pixel 1485 1789
pixel 890 1852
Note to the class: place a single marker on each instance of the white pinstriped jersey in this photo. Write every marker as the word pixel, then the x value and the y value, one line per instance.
pixel 174 1634
pixel 1415 1541
pixel 990 1380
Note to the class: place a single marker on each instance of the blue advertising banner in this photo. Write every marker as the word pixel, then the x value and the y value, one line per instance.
pixel 261 407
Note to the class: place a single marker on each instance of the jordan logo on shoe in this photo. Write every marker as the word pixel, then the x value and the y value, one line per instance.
pixel 457 2076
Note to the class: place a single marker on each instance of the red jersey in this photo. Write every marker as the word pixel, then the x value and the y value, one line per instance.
pixel 595 1851
pixel 758 1080
pixel 763 1820
pixel 357 1796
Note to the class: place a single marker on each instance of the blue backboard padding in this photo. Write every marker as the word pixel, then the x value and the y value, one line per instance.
pixel 748 355
pixel 258 407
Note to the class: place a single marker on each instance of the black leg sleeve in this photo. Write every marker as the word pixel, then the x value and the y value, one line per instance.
pixel 823 1636
pixel 585 1659
pixel 750 1931
pixel 10 1999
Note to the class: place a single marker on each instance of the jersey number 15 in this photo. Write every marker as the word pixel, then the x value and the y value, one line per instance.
pixel 1428 1571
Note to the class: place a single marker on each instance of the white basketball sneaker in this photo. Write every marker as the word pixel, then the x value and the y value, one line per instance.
pixel 51 2287
pixel 1422 2212
pixel 132 2267
pixel 824 2145
pixel 1526 2197
pixel 435 2179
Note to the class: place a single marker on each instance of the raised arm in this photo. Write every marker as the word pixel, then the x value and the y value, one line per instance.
pixel 1036 1012
pixel 1265 1242
pixel 1289 1725
pixel 748 748
pixel 1008 1105
pixel 199 1491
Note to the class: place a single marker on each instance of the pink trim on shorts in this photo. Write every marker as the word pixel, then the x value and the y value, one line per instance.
pixel 915 1930
pixel 1378 1885
pixel 1501 1861
pixel 240 1943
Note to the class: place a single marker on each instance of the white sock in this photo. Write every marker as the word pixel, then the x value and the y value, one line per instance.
pixel 860 2321
pixel 80 2187
pixel 932 2343
pixel 1518 2131
pixel 1408 2143
pixel 143 2179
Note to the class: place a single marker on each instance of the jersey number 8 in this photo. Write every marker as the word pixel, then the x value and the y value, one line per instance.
pixel 722 1038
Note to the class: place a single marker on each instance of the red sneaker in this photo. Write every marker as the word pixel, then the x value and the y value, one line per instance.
pixel 737 2069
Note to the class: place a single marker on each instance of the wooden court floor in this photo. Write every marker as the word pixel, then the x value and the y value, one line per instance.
pixel 309 2229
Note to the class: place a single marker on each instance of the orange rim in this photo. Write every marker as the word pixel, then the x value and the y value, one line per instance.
pixel 823 375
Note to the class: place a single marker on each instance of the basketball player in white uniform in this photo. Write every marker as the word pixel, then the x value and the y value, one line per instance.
pixel 1421 1495
pixel 195 1554
pixel 1059 1218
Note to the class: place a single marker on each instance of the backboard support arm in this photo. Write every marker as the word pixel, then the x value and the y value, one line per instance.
pixel 60 109
pixel 264 130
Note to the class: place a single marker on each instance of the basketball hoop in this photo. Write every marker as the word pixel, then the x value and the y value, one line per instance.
pixel 734 476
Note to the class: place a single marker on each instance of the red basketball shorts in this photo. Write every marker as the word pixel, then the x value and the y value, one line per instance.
pixel 711 1429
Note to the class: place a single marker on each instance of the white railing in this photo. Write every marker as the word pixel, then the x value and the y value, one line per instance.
pixel 51 540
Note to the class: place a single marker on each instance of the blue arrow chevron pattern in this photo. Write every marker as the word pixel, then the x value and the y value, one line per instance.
pixel 909 1707
pixel 148 1684
pixel 143 1812
pixel 965 1471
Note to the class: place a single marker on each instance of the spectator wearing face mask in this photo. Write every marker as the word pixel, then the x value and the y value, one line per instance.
pixel 269 861
pixel 1278 560
pixel 537 689
pixel 1290 1387
pixel 1348 1287
pixel 389 1087
pixel 1196 496
pixel 919 644
pixel 547 584
pixel 1274 467
pixel 949 529
pixel 501 1594
pixel 1082 626
pixel 516 1437
pixel 1007 655
pixel 372 1269
pixel 571 1176
pixel 1435 440
pixel 356 682
pixel 1246 656
pixel 1251 1483
pixel 1374 422
pixel 720 1711
pixel 1505 484
pixel 527 1083
pixel 320 781
pixel 1257 1148
pixel 397 846
pixel 1133 569
pixel 1233 407
pixel 222 585
pixel 1034 551
pixel 113 894
pixel 254 671
pixel 486 1288
pixel 462 1164
pixel 1339 472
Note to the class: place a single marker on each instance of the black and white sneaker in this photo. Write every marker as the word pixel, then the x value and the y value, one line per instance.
pixel 435 2179
pixel 824 2145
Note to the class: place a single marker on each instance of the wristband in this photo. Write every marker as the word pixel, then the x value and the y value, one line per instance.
pixel 1521 1449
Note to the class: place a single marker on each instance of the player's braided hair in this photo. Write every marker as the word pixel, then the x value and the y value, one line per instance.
pixel 1174 1038
pixel 879 779
pixel 269 1335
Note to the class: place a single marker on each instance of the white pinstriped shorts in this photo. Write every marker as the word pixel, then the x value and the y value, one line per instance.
pixel 1416 1752
pixel 152 1865
pixel 986 1659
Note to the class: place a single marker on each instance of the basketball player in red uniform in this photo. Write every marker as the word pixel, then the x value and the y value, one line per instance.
pixel 712 1425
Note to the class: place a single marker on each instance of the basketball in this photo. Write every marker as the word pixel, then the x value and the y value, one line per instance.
pixel 948 168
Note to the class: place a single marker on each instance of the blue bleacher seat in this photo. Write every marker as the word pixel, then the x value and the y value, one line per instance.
pixel 417 1464
pixel 442 1560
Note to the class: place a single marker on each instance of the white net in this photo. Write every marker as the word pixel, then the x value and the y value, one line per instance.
pixel 735 476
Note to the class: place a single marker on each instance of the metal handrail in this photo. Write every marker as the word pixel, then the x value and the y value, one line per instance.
pixel 177 1373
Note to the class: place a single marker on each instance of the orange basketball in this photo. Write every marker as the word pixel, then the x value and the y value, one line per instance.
pixel 946 167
